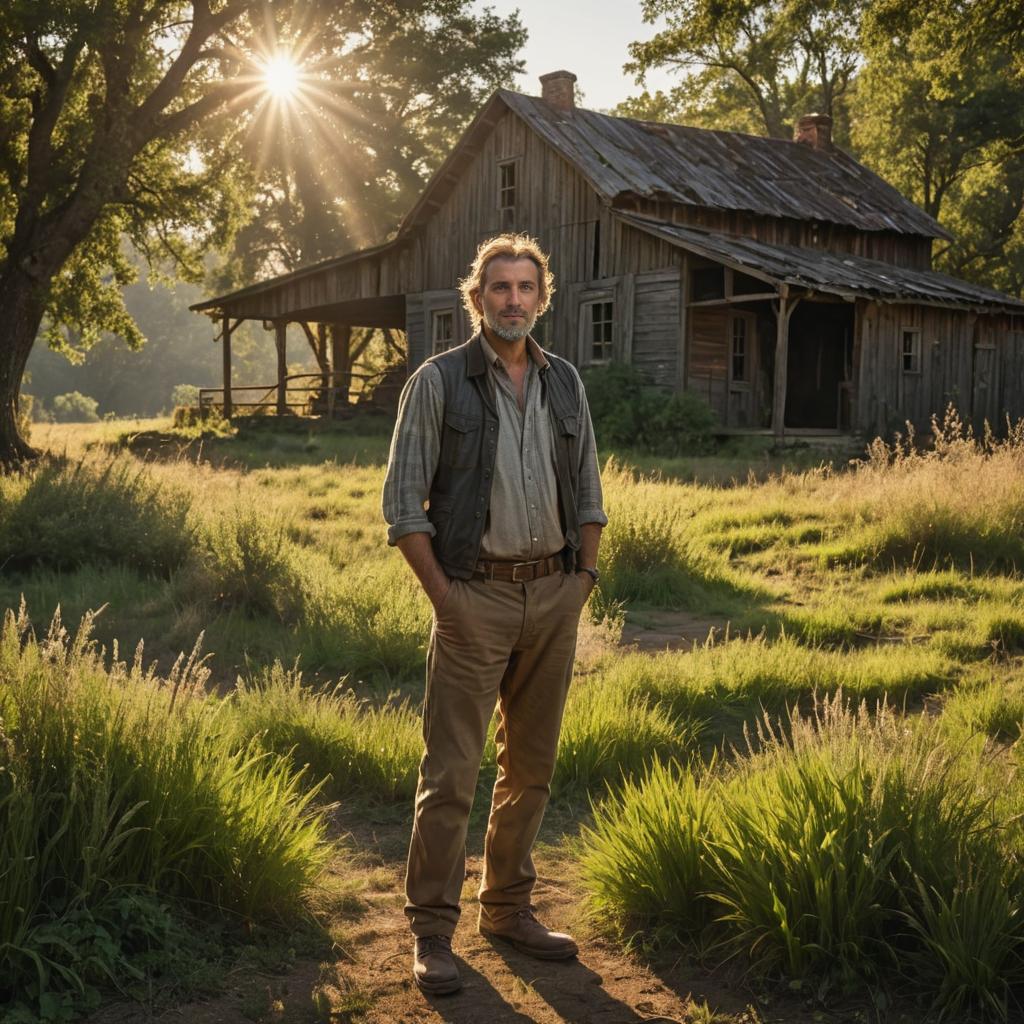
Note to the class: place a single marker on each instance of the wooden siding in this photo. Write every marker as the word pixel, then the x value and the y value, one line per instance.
pixel 708 374
pixel 655 343
pixel 886 395
pixel 415 330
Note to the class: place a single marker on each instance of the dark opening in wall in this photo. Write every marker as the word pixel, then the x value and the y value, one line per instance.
pixel 708 283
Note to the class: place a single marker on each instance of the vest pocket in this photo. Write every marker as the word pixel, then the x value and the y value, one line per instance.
pixel 460 440
pixel 569 425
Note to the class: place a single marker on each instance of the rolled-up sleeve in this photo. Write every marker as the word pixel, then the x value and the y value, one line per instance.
pixel 412 461
pixel 591 498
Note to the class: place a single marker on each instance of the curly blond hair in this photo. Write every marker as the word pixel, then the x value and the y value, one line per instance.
pixel 512 247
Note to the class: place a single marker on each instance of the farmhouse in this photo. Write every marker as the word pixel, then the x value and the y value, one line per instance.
pixel 781 280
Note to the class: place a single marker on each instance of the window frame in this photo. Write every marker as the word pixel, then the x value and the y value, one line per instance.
pixel 435 318
pixel 587 324
pixel 915 352
pixel 513 164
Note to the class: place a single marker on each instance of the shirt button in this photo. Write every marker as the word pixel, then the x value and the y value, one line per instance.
pixel 534 540
pixel 477 516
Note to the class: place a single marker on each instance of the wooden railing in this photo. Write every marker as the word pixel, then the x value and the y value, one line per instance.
pixel 321 396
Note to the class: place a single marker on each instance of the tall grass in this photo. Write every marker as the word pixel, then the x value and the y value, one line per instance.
pixel 960 503
pixel 357 749
pixel 114 782
pixel 850 851
pixel 610 735
pixel 727 683
pixel 93 511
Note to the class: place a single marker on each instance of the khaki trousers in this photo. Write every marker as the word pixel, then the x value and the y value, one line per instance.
pixel 492 642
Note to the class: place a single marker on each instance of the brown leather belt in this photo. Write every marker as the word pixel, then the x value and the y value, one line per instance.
pixel 518 572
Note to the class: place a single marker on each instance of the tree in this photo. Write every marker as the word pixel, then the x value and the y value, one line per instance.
pixel 130 121
pixel 108 107
pixel 939 112
pixel 750 65
pixel 373 117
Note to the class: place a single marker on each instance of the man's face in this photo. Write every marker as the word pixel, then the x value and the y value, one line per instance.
pixel 509 297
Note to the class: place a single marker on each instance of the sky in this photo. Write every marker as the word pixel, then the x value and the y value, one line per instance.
pixel 588 38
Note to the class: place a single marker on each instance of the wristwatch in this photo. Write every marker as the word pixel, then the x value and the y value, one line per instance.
pixel 594 574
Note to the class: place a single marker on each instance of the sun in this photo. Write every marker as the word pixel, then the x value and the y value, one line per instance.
pixel 281 76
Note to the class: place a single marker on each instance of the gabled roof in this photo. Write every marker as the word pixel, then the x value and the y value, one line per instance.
pixel 830 273
pixel 623 158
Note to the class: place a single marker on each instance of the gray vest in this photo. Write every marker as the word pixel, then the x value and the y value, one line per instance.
pixel 460 493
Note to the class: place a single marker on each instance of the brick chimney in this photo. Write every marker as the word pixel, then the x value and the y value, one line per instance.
pixel 557 90
pixel 814 130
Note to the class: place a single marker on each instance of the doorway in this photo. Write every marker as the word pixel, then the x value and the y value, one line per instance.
pixel 820 364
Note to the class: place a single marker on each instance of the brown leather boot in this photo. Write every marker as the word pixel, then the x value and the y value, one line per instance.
pixel 529 936
pixel 433 966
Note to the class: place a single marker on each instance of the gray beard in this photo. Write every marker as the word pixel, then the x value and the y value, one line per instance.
pixel 510 333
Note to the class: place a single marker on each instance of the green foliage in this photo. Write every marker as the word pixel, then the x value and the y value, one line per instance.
pixel 754 65
pixel 120 791
pixel 646 858
pixel 609 735
pixel 184 394
pixel 840 855
pixel 74 407
pixel 627 411
pixel 359 750
pixel 939 112
pixel 90 512
pixel 404 82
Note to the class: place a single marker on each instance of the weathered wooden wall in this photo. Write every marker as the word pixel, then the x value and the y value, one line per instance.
pixel 591 253
pixel 886 395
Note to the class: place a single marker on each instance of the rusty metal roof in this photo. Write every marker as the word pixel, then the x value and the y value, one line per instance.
pixel 621 156
pixel 828 272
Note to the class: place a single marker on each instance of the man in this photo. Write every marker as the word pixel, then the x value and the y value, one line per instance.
pixel 495 438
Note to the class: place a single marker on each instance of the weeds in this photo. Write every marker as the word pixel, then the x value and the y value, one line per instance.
pixel 115 782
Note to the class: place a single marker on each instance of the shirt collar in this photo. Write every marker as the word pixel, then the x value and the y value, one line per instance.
pixel 535 352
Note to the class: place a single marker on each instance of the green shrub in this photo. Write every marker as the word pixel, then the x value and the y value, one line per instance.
pixel 646 860
pixel 628 412
pixel 91 512
pixel 116 783
pixel 850 851
pixel 74 407
pixel 244 560
pixel 184 394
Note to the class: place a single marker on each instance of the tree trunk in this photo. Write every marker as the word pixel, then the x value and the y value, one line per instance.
pixel 23 314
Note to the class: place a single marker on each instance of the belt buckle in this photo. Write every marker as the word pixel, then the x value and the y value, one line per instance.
pixel 520 565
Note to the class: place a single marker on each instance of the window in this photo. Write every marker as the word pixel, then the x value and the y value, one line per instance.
pixel 600 330
pixel 442 330
pixel 708 283
pixel 739 349
pixel 911 349
pixel 507 173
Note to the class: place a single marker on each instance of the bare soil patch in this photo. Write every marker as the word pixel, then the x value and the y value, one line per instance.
pixel 659 630
pixel 368 976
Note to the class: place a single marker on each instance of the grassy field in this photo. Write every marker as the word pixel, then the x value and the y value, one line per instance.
pixel 820 802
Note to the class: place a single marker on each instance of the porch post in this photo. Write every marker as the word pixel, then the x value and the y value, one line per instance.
pixel 341 367
pixel 226 356
pixel 281 341
pixel 781 364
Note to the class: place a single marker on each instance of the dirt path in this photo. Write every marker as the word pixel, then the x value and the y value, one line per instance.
pixel 368 978
pixel 658 630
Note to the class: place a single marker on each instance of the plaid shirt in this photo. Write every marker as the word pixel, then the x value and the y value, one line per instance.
pixel 523 521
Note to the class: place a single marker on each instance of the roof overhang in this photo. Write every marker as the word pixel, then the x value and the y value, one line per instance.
pixel 811 270
pixel 223 305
